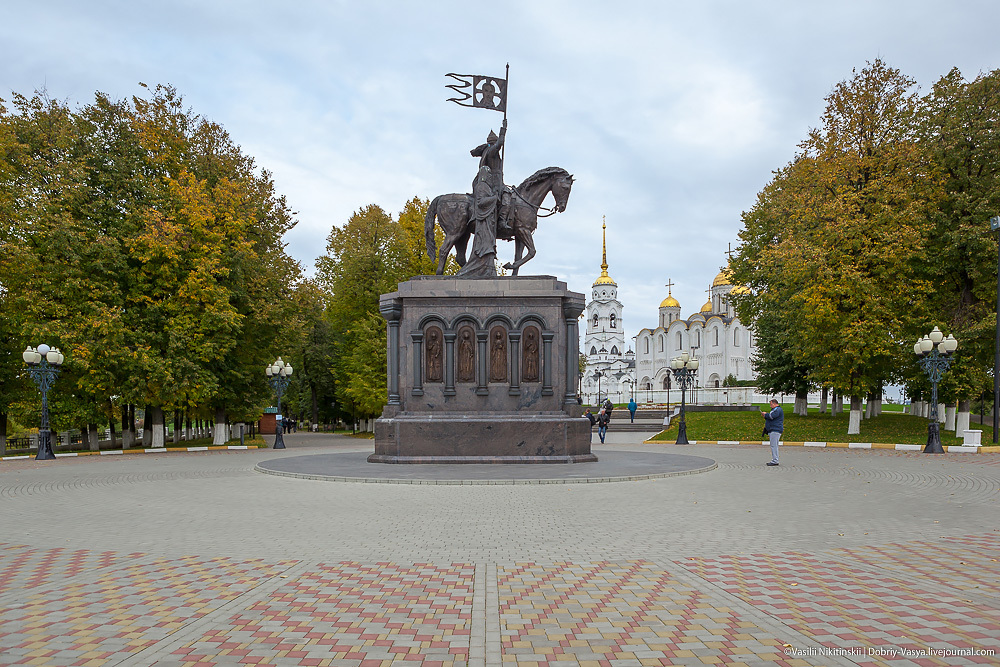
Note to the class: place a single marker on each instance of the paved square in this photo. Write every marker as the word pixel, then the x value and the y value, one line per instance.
pixel 838 557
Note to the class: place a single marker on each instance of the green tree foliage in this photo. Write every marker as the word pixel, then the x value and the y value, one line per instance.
pixel 836 241
pixel 365 258
pixel 960 131
pixel 147 246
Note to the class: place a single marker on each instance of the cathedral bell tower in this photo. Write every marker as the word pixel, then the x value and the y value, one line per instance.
pixel 605 333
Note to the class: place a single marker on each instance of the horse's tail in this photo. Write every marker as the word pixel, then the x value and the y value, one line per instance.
pixel 429 229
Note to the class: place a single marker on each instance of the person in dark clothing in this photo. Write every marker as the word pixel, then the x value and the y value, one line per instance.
pixel 774 426
pixel 632 406
pixel 603 419
pixel 590 415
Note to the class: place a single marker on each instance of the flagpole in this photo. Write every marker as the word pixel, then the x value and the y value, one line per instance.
pixel 506 98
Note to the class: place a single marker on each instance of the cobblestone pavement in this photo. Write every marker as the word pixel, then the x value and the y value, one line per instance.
pixel 836 557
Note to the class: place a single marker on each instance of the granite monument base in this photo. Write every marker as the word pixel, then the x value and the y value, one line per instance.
pixel 493 438
pixel 482 370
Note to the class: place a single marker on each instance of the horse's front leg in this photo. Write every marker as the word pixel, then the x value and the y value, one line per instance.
pixel 518 250
pixel 529 243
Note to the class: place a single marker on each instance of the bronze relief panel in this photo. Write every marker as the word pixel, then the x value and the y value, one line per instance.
pixel 434 353
pixel 498 354
pixel 466 355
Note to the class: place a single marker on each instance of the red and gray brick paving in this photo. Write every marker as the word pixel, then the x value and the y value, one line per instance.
pixel 838 557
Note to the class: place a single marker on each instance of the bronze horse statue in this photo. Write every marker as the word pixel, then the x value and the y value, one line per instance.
pixel 454 215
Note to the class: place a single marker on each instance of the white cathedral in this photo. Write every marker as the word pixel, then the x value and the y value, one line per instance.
pixel 713 335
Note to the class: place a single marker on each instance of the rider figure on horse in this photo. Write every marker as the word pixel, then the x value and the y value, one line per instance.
pixel 490 155
pixel 487 197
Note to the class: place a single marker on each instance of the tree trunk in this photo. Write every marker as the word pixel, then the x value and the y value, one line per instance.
pixel 941 412
pixel 131 425
pixel 187 428
pixel 962 417
pixel 949 417
pixel 3 432
pixel 219 432
pixel 156 427
pixel 822 400
pixel 315 406
pixel 802 402
pixel 111 432
pixel 854 426
pixel 147 426
pixel 126 439
pixel 177 426
pixel 93 438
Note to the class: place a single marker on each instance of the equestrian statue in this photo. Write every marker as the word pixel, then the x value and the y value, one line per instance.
pixel 493 211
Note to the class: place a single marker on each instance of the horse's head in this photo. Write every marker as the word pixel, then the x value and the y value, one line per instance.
pixel 560 191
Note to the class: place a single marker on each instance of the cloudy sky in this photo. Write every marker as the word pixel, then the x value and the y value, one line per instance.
pixel 671 115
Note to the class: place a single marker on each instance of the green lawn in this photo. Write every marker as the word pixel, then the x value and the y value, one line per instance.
pixel 888 427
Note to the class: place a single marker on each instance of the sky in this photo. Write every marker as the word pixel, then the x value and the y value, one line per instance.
pixel 672 116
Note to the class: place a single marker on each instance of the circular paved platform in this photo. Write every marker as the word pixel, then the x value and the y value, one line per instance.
pixel 611 467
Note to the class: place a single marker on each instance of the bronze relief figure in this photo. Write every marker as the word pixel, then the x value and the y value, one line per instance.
pixel 498 354
pixel 529 355
pixel 466 355
pixel 434 348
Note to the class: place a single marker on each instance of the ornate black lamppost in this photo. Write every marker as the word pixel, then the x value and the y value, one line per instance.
pixel 935 352
pixel 684 369
pixel 43 367
pixel 598 375
pixel 995 226
pixel 278 374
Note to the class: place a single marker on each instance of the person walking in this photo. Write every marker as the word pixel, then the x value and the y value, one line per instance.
pixel 774 426
pixel 590 415
pixel 632 408
pixel 603 419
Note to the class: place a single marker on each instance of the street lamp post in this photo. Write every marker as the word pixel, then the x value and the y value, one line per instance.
pixel 684 369
pixel 995 226
pixel 598 375
pixel 278 374
pixel 43 367
pixel 935 352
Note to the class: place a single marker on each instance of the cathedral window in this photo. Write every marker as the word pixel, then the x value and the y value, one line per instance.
pixel 666 382
pixel 614 350
pixel 613 320
pixel 736 337
pixel 697 335
pixel 647 345
pixel 596 319
pixel 680 340
pixel 661 343
pixel 717 337
pixel 593 350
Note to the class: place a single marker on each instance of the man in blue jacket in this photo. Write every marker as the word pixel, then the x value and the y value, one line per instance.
pixel 774 425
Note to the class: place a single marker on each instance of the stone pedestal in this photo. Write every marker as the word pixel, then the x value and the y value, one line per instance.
pixel 482 370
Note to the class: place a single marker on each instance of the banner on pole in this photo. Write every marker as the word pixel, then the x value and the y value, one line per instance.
pixel 480 92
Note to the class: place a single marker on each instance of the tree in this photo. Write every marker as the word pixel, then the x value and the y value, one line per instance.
pixel 149 248
pixel 959 131
pixel 366 258
pixel 853 209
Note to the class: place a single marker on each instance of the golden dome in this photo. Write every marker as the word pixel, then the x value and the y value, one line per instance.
pixel 707 308
pixel 722 278
pixel 605 279
pixel 670 302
